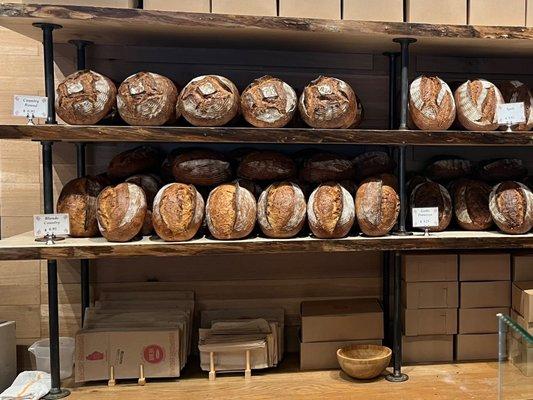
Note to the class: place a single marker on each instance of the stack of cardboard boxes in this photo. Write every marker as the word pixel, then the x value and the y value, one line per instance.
pixel 484 292
pixel 430 299
pixel 328 325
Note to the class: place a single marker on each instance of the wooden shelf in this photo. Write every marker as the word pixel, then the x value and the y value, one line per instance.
pixel 24 247
pixel 112 26
pixel 68 133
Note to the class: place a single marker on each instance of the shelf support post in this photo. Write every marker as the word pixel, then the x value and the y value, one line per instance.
pixel 397 375
pixel 81 170
pixel 53 320
pixel 404 43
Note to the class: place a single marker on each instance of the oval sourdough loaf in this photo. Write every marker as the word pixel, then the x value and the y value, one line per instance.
pixel 476 103
pixel 266 166
pixel 516 92
pixel 432 194
pixel 324 167
pixel 431 103
pixel 138 160
pixel 448 169
pixel 471 205
pixel 201 167
pixel 502 169
pixel 511 206
pixel 372 163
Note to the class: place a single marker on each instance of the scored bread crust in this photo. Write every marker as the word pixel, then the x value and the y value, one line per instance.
pixel 511 206
pixel 515 92
pixel 471 205
pixel 201 167
pixel 431 103
pixel 150 183
pixel 372 163
pixel 476 103
pixel 141 159
pixel 433 194
pixel 266 166
pixel 324 167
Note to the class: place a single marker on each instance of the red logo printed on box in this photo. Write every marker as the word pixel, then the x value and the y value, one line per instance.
pixel 95 356
pixel 153 354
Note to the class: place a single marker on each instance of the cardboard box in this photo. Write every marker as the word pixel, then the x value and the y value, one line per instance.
pixel 426 349
pixel 476 347
pixel 437 11
pixel 485 267
pixel 528 326
pixel 245 7
pixel 341 320
pixel 200 6
pixel 156 349
pixel 323 355
pixel 375 10
pixel 324 9
pixel 485 294
pixel 429 267
pixel 480 320
pixel 92 3
pixel 439 321
pixel 8 354
pixel 497 12
pixel 523 264
pixel 430 294
pixel 522 299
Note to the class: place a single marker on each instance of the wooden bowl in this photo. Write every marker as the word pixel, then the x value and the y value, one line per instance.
pixel 364 361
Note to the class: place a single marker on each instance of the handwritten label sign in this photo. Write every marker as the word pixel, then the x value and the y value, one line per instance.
pixel 511 113
pixel 51 224
pixel 425 217
pixel 30 106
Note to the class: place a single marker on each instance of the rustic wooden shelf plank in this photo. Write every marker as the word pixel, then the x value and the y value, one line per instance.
pixel 68 133
pixel 113 26
pixel 24 247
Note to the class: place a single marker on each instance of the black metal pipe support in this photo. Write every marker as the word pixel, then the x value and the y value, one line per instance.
pixel 397 375
pixel 53 320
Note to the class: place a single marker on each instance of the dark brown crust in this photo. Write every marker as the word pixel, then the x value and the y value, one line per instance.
pixel 503 169
pixel 150 183
pixel 372 163
pixel 432 194
pixel 448 169
pixel 471 205
pixel 148 226
pixel 201 167
pixel 511 208
pixel 324 167
pixel 513 94
pixel 78 200
pixel 266 166
pixel 139 160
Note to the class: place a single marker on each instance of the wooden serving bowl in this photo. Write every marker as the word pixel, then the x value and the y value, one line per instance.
pixel 364 361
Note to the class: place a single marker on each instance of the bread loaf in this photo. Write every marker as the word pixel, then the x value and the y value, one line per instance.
pixel 415 181
pixel 328 103
pixel 103 179
pixel 502 169
pixel 178 212
pixel 252 186
pixel 511 206
pixel 330 211
pixel 359 113
pixel 268 103
pixel 150 183
pixel 201 167
pixel 85 97
pixel 377 205
pixel 231 211
pixel 476 103
pixel 448 169
pixel 209 100
pixel 516 92
pixel 78 200
pixel 432 194
pixel 528 181
pixel 142 159
pixel 281 210
pixel 471 205
pixel 324 167
pixel 266 166
pixel 431 103
pixel 372 163
pixel 121 212
pixel 168 162
pixel 148 225
pixel 147 99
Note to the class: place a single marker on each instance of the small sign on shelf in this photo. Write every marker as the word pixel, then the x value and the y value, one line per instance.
pixel 50 228
pixel 510 114
pixel 425 218
pixel 30 107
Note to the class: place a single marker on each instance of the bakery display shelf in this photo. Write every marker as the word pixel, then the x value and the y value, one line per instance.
pixel 187 134
pixel 24 247
pixel 113 26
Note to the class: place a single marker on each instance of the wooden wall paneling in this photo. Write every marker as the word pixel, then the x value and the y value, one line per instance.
pixel 25 360
pixel 16 272
pixel 68 293
pixel 17 295
pixel 10 226
pixel 68 271
pixel 69 319
pixel 27 318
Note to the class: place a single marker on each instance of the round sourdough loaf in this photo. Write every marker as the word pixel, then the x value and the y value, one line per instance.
pixel 231 211
pixel 516 92
pixel 372 163
pixel 471 205
pixel 328 103
pixel 377 205
pixel 330 211
pixel 281 210
pixel 85 97
pixel 147 99
pixel 121 212
pixel 511 206
pixel 209 100
pixel 324 167
pixel 431 103
pixel 78 200
pixel 268 103
pixel 178 212
pixel 266 166
pixel 476 103
pixel 138 160
pixel 150 183
pixel 502 169
pixel 448 169
pixel 432 194
pixel 201 167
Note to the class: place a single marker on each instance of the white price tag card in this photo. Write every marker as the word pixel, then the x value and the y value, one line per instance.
pixel 51 224
pixel 425 217
pixel 511 113
pixel 30 106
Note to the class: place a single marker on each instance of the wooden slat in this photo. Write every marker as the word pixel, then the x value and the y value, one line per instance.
pixel 26 317
pixel 18 295
pixel 20 272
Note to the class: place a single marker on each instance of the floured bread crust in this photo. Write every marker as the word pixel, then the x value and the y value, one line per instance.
pixel 511 206
pixel 476 103
pixel 432 194
pixel 517 92
pixel 330 211
pixel 150 183
pixel 471 205
pixel 201 167
pixel 431 103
